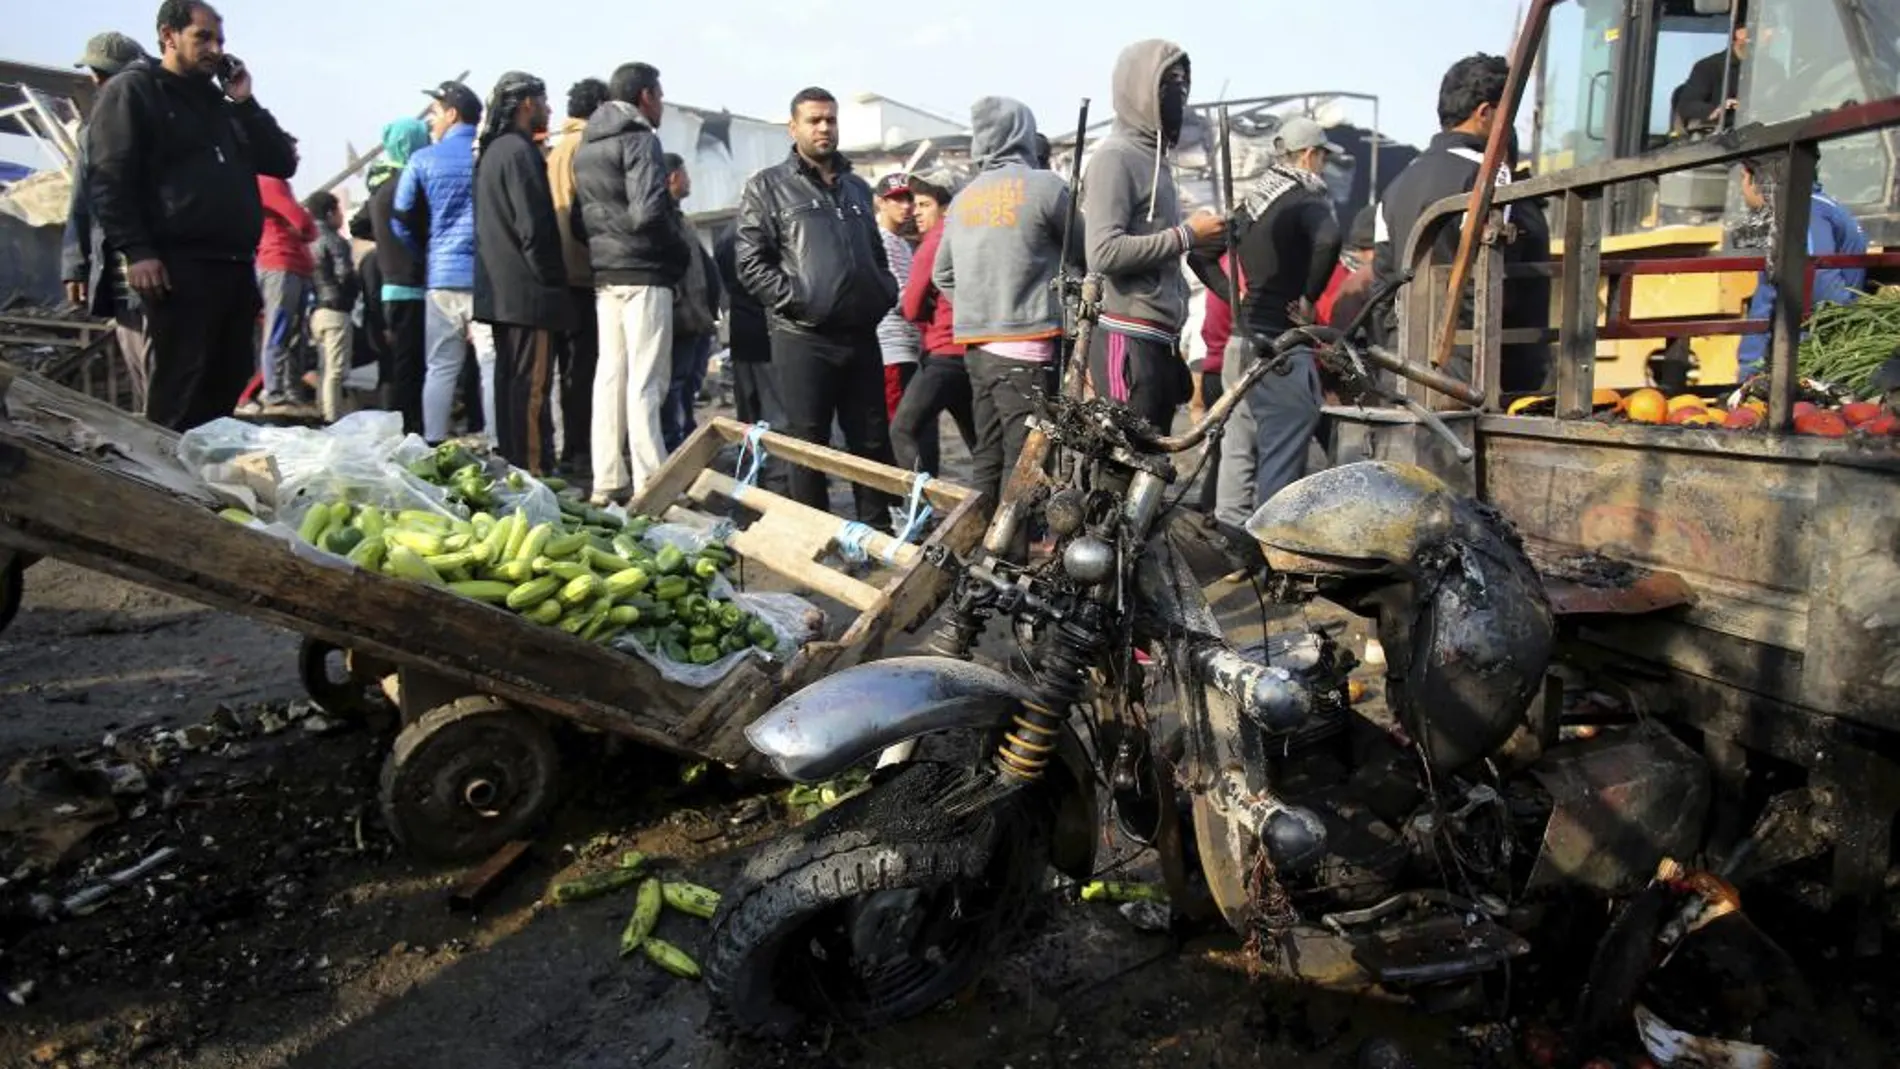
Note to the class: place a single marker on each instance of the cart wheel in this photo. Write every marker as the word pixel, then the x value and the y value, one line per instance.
pixel 467 777
pixel 325 671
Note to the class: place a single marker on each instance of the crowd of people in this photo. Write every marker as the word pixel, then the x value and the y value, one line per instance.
pixel 521 281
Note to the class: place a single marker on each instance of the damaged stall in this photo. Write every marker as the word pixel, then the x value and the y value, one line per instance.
pixel 478 673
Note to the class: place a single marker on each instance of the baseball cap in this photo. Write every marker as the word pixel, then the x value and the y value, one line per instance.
pixel 460 97
pixel 895 184
pixel 110 52
pixel 1300 133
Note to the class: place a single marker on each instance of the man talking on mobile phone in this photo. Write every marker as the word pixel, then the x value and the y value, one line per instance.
pixel 172 158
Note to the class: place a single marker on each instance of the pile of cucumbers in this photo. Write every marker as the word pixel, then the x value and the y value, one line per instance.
pixel 589 575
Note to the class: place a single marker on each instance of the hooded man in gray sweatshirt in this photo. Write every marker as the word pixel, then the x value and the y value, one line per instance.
pixel 1135 236
pixel 1000 251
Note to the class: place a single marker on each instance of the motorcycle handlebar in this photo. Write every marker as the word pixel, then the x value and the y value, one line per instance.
pixel 1320 337
pixel 1429 377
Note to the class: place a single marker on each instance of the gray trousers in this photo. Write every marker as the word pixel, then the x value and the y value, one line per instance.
pixel 283 295
pixel 1265 444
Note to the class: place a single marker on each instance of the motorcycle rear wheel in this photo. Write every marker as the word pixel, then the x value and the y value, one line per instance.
pixel 876 911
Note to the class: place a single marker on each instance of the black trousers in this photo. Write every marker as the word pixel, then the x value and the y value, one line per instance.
pixel 822 378
pixel 1210 393
pixel 203 342
pixel 1146 375
pixel 406 360
pixel 579 352
pixel 755 397
pixel 524 409
pixel 1003 397
pixel 941 384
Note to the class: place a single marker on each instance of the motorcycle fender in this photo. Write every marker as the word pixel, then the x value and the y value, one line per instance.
pixel 848 717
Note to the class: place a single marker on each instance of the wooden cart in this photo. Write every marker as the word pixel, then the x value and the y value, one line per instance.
pixel 475 764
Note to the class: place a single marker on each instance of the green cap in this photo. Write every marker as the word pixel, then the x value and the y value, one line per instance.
pixel 110 52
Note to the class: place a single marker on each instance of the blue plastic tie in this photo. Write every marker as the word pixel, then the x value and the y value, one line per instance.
pixel 916 516
pixel 753 449
pixel 852 538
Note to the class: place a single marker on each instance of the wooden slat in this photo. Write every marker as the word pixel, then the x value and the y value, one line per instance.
pixel 941 494
pixel 879 544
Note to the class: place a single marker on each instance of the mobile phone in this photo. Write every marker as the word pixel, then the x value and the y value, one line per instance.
pixel 229 68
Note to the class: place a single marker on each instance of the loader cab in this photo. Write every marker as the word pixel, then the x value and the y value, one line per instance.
pixel 1609 72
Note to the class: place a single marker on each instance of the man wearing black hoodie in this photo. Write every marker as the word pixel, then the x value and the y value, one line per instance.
pixel 809 250
pixel 1468 105
pixel 520 279
pixel 172 159
pixel 624 212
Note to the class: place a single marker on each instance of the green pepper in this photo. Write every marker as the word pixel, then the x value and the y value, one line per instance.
pixel 704 653
pixel 638 525
pixel 673 651
pixel 762 635
pixel 719 555
pixel 705 569
pixel 660 613
pixel 731 615
pixel 670 561
pixel 703 633
pixel 452 456
pixel 670 588
pixel 733 642
pixel 646 637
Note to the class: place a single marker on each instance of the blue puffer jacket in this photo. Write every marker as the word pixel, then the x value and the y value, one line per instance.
pixel 435 208
pixel 1832 230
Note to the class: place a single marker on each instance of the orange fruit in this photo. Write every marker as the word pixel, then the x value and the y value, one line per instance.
pixel 1859 412
pixel 1760 407
pixel 1686 400
pixel 1743 417
pixel 1605 398
pixel 1821 423
pixel 1646 406
pixel 1689 416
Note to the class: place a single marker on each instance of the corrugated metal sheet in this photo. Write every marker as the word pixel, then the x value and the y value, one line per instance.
pixel 720 165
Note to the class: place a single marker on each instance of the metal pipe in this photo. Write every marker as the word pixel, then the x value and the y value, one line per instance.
pixel 371 156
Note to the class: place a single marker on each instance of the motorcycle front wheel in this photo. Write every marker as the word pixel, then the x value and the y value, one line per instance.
pixel 877 910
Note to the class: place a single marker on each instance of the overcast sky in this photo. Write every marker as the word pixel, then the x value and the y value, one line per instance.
pixel 335 70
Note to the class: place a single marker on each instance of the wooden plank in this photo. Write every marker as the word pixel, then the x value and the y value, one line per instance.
pixel 481 883
pixel 941 494
pixel 1794 203
pixel 1487 349
pixel 796 513
pixel 1577 308
pixel 71 422
pixel 791 549
pixel 692 457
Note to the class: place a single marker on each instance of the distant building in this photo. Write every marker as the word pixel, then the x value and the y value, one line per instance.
pixel 871 121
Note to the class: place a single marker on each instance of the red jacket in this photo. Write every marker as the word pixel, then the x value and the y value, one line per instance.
pixel 925 305
pixel 288 230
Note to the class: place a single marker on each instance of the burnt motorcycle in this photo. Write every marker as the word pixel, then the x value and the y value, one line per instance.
pixel 1400 844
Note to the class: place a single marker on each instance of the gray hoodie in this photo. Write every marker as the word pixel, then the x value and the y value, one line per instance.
pixel 1135 237
pixel 1002 237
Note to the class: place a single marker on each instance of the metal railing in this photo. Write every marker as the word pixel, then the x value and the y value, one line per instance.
pixel 1794 144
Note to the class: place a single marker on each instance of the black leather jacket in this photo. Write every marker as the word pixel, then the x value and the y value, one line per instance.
pixel 336 271
pixel 810 253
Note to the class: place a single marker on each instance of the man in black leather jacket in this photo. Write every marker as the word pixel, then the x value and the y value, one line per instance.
pixel 172 159
pixel 808 250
